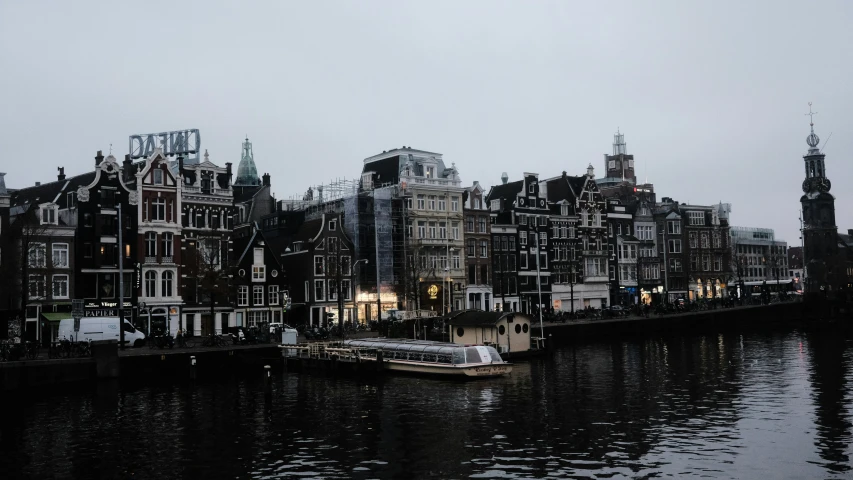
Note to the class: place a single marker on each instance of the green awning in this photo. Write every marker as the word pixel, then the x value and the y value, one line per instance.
pixel 55 317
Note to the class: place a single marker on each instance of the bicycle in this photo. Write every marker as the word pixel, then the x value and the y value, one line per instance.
pixel 184 341
pixel 83 349
pixel 31 350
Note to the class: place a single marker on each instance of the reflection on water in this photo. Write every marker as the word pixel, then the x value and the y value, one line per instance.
pixel 727 406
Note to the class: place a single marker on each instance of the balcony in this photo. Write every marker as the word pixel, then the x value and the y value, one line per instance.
pixel 441 242
pixel 595 253
pixel 596 279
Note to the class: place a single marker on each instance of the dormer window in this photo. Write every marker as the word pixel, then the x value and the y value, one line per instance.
pixel 157 176
pixel 430 172
pixel 564 210
pixel 495 205
pixel 48 214
pixel 531 188
pixel 333 225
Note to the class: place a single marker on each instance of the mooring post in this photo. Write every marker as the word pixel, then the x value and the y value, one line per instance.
pixel 192 368
pixel 267 380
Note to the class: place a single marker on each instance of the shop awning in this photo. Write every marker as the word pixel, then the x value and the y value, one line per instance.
pixel 55 317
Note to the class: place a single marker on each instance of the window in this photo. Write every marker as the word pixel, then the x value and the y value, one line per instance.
pixel 522 263
pixel 674 246
pixel 159 207
pixel 60 255
pixel 273 295
pixel 431 229
pixel 346 265
pixel 420 202
pixel 522 240
pixel 36 286
pixel 692 237
pixel 543 221
pixel 674 227
pixel 87 220
pixel 612 272
pixel 511 243
pixel 243 296
pixel 409 203
pixel 150 283
pixel 456 262
pixel 442 204
pixel 718 263
pixel 259 273
pixel 333 290
pixel 505 242
pixel 442 230
pixel 706 263
pixel 257 295
pixel 471 247
pixel 454 204
pixel 166 283
pixel 531 188
pixel 157 176
pixel 469 224
pixel 595 267
pixel 496 243
pixel 421 229
pixel 495 205
pixel 455 231
pixel 346 289
pixel 522 219
pixel 694 262
pixel 645 232
pixel 150 244
pixel 430 172
pixel 431 202
pixel 704 237
pixel 697 218
pixel 36 257
pixel 60 286
pixel 675 265
pixel 543 238
pixel 484 249
pixel 168 243
pixel 319 290
pixel 48 215
pixel 481 224
pixel 333 225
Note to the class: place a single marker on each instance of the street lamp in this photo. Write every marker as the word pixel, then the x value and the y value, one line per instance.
pixel 352 287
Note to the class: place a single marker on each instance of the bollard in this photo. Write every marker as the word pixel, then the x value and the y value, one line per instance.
pixel 192 367
pixel 267 380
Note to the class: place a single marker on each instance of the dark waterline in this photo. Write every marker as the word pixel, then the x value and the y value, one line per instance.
pixel 769 405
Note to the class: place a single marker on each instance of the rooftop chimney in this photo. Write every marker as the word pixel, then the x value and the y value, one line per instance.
pixel 61 175
pixel 266 180
pixel 228 171
pixel 3 184
pixel 99 158
pixel 504 178
pixel 38 184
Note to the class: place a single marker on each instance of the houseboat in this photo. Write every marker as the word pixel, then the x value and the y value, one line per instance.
pixel 439 358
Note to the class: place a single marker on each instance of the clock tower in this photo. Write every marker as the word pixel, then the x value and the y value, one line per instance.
pixel 820 234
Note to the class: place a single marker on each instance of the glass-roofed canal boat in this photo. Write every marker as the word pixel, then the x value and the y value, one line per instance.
pixel 426 357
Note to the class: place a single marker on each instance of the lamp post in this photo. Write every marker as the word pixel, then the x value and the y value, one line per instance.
pixel 352 287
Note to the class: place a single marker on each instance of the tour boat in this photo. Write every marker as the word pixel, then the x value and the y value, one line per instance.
pixel 439 358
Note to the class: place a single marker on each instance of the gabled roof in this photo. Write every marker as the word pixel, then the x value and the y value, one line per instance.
pixel 565 188
pixel 49 192
pixel 309 230
pixel 507 191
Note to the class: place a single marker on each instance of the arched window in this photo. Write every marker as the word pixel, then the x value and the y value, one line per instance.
pixel 166 281
pixel 150 283
pixel 150 244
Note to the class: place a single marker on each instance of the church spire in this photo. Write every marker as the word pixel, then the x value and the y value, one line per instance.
pixel 812 140
pixel 247 172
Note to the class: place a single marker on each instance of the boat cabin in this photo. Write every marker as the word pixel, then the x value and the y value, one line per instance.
pixel 506 331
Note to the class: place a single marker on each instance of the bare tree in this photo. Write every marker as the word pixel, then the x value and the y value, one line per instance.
pixel 209 272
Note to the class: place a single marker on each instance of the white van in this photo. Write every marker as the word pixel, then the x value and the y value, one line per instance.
pixel 99 328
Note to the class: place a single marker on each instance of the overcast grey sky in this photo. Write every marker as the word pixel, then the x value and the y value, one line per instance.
pixel 710 95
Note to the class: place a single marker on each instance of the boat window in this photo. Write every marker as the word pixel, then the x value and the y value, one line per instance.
pixel 444 359
pixel 472 355
pixel 459 356
pixel 496 357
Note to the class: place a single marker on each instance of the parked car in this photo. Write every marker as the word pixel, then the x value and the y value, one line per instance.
pixel 100 328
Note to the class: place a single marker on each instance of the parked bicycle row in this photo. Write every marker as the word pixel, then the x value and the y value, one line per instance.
pixel 239 336
pixel 11 351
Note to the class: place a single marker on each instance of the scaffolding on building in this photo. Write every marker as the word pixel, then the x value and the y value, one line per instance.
pixel 375 220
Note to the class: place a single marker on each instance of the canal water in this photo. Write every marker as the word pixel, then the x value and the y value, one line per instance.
pixel 734 405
